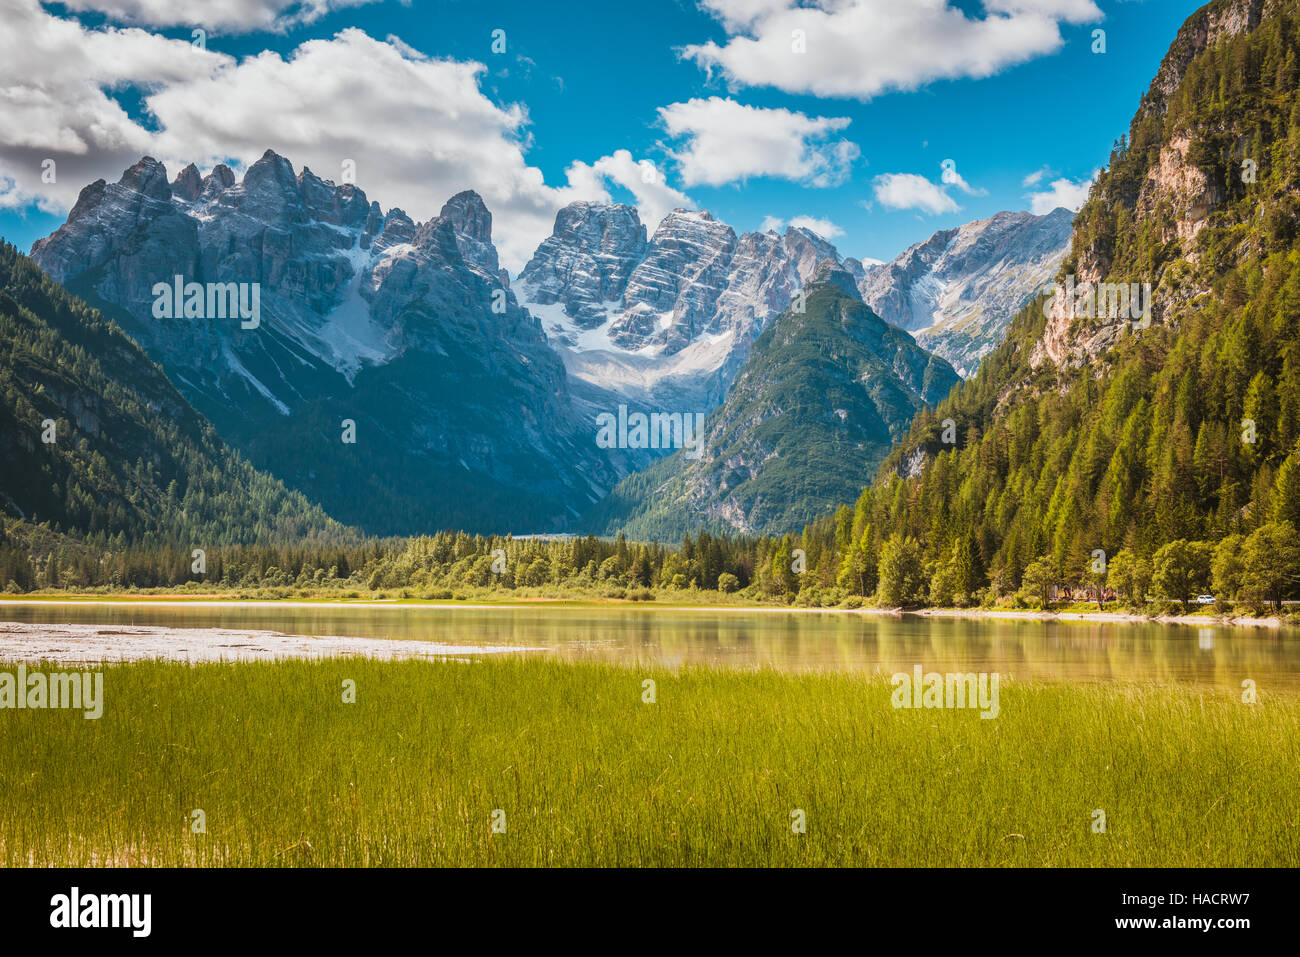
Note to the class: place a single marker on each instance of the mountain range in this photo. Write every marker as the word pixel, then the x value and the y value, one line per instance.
pixel 396 375
pixel 958 290
pixel 828 388
pixel 459 408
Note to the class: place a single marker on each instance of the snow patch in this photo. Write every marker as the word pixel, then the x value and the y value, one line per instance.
pixel 349 332
pixel 238 367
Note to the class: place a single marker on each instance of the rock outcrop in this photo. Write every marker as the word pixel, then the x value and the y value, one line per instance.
pixel 462 409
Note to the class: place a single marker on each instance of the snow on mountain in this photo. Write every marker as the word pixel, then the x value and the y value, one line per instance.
pixel 670 319
pixel 958 290
pixel 461 406
pixel 674 317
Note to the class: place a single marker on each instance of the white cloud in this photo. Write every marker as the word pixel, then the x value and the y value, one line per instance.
pixel 910 191
pixel 418 129
pixel 861 48
pixel 727 141
pixel 822 227
pixel 54 106
pixel 1036 177
pixel 655 199
pixel 1061 192
pixel 233 16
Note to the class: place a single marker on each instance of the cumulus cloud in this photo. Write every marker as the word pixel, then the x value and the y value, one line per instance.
pixel 55 80
pixel 910 191
pixel 1061 192
pixel 232 16
pixel 418 129
pixel 655 199
pixel 1036 177
pixel 861 48
pixel 822 227
pixel 726 142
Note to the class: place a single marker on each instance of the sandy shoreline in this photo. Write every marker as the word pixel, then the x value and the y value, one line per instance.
pixel 21 641
pixel 1009 614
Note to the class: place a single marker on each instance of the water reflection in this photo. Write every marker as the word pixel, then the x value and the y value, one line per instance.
pixel 1025 650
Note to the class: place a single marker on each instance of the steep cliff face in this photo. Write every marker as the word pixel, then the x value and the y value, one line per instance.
pixel 673 319
pixel 585 263
pixel 827 389
pixel 96 440
pixel 462 410
pixel 1174 207
pixel 958 290
pixel 1106 428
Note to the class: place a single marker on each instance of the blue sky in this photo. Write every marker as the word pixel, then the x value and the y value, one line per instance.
pixel 711 100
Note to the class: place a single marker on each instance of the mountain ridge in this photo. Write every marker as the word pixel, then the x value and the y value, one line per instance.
pixel 367 317
pixel 826 389
pixel 97 442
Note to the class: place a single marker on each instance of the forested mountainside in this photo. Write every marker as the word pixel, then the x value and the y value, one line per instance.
pixel 1083 433
pixel 98 444
pixel 828 387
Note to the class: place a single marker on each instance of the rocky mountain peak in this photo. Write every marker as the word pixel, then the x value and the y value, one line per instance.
pixel 219 180
pixel 147 177
pixel 269 187
pixel 807 250
pixel 830 272
pixel 959 289
pixel 188 184
pixel 586 261
pixel 468 216
pixel 471 225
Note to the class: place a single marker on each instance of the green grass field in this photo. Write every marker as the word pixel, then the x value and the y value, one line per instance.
pixel 588 774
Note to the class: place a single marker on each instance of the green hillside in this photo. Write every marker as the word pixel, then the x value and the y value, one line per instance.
pixel 130 460
pixel 1174 449
pixel 824 395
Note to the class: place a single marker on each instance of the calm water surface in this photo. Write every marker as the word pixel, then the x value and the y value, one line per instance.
pixel 1021 650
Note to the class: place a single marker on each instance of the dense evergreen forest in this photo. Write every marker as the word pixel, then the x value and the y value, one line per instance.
pixel 97 442
pixel 1170 462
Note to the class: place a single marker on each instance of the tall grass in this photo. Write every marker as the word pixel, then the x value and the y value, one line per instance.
pixel 588 774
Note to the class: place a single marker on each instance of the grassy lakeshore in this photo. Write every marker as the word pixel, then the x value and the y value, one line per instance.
pixel 588 774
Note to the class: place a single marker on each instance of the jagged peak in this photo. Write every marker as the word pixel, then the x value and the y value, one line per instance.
pixel 188 184
pixel 147 176
pixel 221 178
pixel 684 213
pixel 271 167
pixel 468 215
pixel 581 209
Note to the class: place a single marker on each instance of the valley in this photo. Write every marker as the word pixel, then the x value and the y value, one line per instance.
pixel 561 523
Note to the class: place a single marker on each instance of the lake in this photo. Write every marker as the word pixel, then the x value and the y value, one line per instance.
pixel 1208 656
